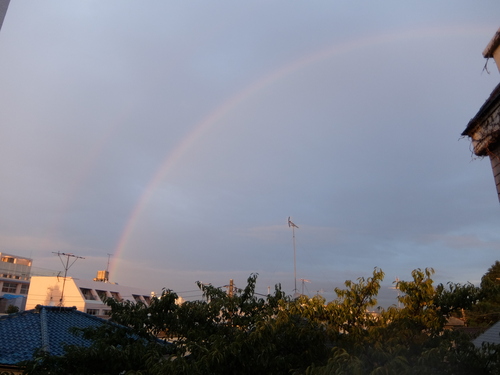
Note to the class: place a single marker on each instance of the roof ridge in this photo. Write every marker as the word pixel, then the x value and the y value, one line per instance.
pixel 44 331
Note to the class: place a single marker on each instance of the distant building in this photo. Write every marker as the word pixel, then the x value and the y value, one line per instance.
pixel 15 275
pixel 484 128
pixel 490 336
pixel 86 295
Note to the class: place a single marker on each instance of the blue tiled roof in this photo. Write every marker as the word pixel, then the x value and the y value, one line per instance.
pixel 23 333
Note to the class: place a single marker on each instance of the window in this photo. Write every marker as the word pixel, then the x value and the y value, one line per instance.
pixel 87 294
pixel 116 296
pixel 24 289
pixel 102 295
pixel 93 311
pixel 8 259
pixel 9 287
pixel 106 312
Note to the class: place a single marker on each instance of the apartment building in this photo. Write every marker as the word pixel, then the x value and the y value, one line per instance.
pixel 15 273
pixel 86 295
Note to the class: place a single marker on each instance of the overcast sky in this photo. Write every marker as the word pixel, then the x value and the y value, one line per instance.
pixel 179 136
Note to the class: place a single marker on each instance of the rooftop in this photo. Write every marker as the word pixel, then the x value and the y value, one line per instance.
pixel 46 327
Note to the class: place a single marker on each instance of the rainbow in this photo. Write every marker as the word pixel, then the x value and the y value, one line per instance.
pixel 253 89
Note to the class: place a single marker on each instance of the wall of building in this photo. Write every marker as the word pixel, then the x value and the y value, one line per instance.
pixel 85 295
pixel 484 132
pixel 494 154
pixel 14 279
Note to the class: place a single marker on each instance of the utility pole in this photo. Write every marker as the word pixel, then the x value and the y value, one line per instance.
pixel 66 266
pixel 293 226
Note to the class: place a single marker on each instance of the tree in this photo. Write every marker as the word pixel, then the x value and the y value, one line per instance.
pixel 245 334
pixel 11 309
pixel 492 276
pixel 487 309
pixel 411 339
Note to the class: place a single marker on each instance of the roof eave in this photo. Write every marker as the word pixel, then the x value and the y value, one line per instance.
pixel 492 45
pixel 483 112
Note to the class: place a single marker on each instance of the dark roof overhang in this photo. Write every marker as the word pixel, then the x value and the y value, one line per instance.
pixel 484 111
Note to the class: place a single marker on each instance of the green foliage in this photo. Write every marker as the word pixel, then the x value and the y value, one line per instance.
pixel 487 310
pixel 244 334
pixel 456 298
pixel 492 276
pixel 11 309
pixel 349 314
pixel 115 350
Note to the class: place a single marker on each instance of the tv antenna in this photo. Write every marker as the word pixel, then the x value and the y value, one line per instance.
pixel 107 266
pixel 293 226
pixel 304 281
pixel 66 266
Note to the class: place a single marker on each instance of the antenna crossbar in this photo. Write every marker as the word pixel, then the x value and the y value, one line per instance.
pixel 66 266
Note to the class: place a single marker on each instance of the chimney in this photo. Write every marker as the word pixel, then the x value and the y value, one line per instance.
pixel 493 50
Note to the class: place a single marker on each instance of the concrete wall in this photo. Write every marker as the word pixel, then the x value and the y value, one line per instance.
pixel 46 291
pixel 484 132
pixel 495 165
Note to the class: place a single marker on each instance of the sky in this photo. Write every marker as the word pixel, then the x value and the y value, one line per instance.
pixel 170 141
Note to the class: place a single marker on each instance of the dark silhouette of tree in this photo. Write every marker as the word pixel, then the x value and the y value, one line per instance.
pixel 245 334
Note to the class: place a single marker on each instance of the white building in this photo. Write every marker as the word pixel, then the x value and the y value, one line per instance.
pixel 14 274
pixel 14 280
pixel 85 295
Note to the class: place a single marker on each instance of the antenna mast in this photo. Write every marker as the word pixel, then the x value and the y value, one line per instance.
pixel 304 281
pixel 291 224
pixel 107 266
pixel 66 266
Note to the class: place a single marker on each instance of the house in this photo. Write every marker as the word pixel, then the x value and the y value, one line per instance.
pixel 46 328
pixel 484 128
pixel 491 335
pixel 86 295
pixel 15 274
pixel 454 323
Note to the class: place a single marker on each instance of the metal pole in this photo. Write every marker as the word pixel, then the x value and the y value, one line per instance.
pixel 64 281
pixel 291 224
pixel 66 268
pixel 294 261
